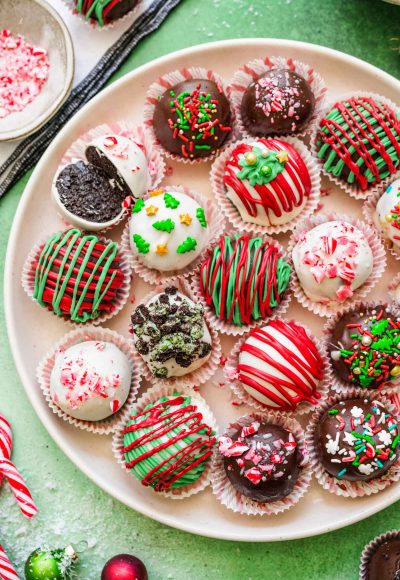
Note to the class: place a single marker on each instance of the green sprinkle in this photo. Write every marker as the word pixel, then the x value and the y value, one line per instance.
pixel 141 244
pixel 139 205
pixel 164 225
pixel 333 411
pixel 170 201
pixel 186 246
pixel 201 217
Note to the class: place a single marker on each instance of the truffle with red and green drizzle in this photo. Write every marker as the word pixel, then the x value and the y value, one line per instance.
pixel 104 11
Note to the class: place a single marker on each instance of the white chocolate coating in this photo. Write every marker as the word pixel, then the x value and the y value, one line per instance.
pixel 387 207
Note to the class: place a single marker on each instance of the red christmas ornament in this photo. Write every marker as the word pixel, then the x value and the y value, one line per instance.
pixel 124 567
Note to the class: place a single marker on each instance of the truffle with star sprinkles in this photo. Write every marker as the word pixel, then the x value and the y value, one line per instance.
pixel 332 260
pixel 168 444
pixel 278 102
pixel 90 380
pixel 267 180
pixel 387 214
pixel 261 460
pixel 104 11
pixel 193 119
pixel 364 346
pixel 171 335
pixel 168 230
pixel 358 142
pixel 244 279
pixel 357 440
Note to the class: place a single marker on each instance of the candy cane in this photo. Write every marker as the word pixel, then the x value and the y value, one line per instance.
pixel 10 472
pixel 7 570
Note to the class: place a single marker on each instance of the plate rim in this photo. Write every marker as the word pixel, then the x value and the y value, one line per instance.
pixel 183 525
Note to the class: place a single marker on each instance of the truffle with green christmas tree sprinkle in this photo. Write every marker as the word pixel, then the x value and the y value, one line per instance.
pixel 201 217
pixel 164 225
pixel 364 346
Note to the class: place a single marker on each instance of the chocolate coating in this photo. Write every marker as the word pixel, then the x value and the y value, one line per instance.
pixel 276 462
pixel 357 440
pixel 107 13
pixel 204 118
pixel 278 102
pixel 97 158
pixel 364 347
pixel 384 563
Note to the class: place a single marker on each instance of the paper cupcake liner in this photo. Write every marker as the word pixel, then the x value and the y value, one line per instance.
pixel 140 137
pixel 394 289
pixel 330 308
pixel 232 499
pixel 370 549
pixel 230 328
pixel 342 487
pixel 369 214
pixel 203 373
pixel 94 25
pixel 337 384
pixel 255 68
pixel 150 396
pixel 230 373
pixel 46 365
pixel 353 191
pixel 169 80
pixel 216 226
pixel 28 283
pixel 231 212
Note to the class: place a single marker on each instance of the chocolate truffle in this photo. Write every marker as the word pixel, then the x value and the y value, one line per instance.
pixel 104 11
pixel 277 103
pixel 387 214
pixel 364 347
pixel 359 142
pixel 357 440
pixel 244 279
pixel 331 261
pixel 280 366
pixel 262 460
pixel 171 335
pixel 267 181
pixel 192 120
pixel 384 561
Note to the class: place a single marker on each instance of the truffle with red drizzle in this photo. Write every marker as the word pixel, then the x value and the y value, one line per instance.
pixel 280 366
pixel 359 142
pixel 267 181
pixel 262 460
pixel 193 118
pixel 168 444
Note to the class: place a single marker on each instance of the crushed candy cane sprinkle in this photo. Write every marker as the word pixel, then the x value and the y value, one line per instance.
pixel 24 70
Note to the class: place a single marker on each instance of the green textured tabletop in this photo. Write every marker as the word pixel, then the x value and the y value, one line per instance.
pixel 72 508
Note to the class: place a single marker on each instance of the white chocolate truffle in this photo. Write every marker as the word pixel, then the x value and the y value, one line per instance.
pixel 168 230
pixel 331 261
pixel 90 380
pixel 171 335
pixel 387 215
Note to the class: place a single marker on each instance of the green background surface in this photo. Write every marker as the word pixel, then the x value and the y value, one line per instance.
pixel 72 508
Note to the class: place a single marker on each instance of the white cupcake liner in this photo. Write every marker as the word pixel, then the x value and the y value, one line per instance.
pixel 230 374
pixel 140 137
pixel 28 283
pixel 259 66
pixel 231 212
pixel 216 226
pixel 342 487
pixel 169 80
pixel 232 499
pixel 337 384
pixel 94 25
pixel 230 328
pixel 370 216
pixel 203 373
pixel 370 549
pixel 330 307
pixel 352 190
pixel 45 367
pixel 150 396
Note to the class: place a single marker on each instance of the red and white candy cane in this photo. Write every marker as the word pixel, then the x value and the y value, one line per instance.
pixel 7 570
pixel 9 471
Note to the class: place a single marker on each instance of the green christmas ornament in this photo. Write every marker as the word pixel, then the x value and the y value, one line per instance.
pixel 50 564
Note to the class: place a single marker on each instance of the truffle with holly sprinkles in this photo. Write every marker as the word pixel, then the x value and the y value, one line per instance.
pixel 267 181
pixel 168 230
pixel 332 260
pixel 104 11
pixel 171 335
pixel 357 440
pixel 192 119
pixel 364 347
pixel 262 460
pixel 387 214
pixel 277 103
pixel 168 445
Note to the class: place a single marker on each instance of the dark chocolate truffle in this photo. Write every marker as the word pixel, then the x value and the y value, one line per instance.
pixel 365 347
pixel 278 102
pixel 104 11
pixel 384 562
pixel 357 440
pixel 262 461
pixel 193 118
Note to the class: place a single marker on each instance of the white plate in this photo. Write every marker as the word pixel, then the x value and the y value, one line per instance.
pixel 32 330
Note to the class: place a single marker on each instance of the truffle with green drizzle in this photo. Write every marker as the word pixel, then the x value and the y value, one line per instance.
pixel 104 11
